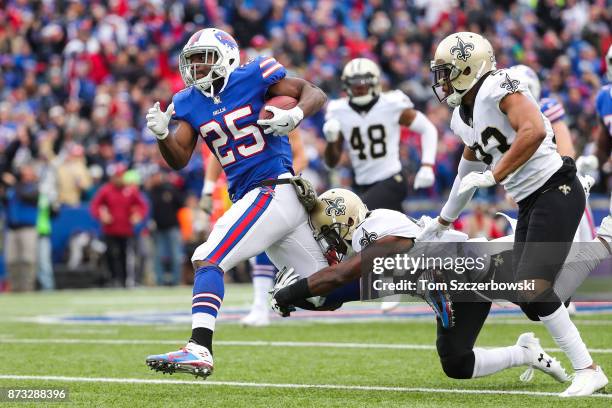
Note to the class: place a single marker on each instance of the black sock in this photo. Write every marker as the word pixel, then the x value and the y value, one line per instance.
pixel 203 337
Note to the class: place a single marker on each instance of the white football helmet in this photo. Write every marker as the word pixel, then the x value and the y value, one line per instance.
pixel 609 64
pixel 531 79
pixel 334 218
pixel 361 71
pixel 461 59
pixel 218 55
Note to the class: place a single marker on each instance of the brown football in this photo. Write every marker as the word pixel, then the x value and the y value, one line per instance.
pixel 281 102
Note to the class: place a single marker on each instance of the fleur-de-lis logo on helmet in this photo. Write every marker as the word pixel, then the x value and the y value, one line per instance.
pixel 462 49
pixel 335 206
pixel 510 84
pixel 367 238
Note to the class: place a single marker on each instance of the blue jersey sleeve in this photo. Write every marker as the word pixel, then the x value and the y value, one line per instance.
pixel 603 102
pixel 552 109
pixel 182 107
pixel 270 70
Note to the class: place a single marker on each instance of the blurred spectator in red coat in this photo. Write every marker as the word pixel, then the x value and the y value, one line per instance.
pixel 119 208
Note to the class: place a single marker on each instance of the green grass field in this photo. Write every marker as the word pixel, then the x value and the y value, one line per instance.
pixel 380 361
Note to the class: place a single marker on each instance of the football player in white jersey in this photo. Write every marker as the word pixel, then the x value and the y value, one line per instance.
pixel 369 121
pixel 341 220
pixel 502 127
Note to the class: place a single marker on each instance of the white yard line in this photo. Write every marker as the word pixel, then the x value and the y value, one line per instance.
pixel 259 343
pixel 281 385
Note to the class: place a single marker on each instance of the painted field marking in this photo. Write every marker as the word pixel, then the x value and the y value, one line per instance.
pixel 282 385
pixel 257 343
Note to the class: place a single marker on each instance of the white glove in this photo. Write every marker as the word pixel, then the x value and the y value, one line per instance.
pixel 157 121
pixel 283 121
pixel 587 165
pixel 424 178
pixel 432 230
pixel 478 180
pixel 587 182
pixel 331 130
pixel 285 277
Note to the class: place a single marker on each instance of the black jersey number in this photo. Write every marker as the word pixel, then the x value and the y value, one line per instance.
pixel 486 135
pixel 378 146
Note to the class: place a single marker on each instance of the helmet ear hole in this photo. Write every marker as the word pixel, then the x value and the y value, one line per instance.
pixel 231 61
pixel 467 71
pixel 351 222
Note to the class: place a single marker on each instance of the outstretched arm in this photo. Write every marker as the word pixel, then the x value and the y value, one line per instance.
pixel 327 279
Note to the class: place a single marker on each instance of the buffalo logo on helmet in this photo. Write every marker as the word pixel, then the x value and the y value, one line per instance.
pixel 510 84
pixel 367 238
pixel 462 49
pixel 226 39
pixel 335 206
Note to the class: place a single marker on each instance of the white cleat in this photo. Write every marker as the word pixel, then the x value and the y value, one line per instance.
pixel 256 318
pixel 540 360
pixel 386 307
pixel 586 382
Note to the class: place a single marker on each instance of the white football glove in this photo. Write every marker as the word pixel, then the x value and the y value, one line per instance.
pixel 283 121
pixel 587 182
pixel 587 164
pixel 157 121
pixel 424 178
pixel 331 130
pixel 432 230
pixel 285 277
pixel 478 180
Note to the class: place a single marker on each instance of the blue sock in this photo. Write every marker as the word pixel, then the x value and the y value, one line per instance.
pixel 208 292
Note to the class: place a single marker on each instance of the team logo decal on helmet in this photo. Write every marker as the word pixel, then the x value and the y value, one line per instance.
pixel 367 238
pixel 462 49
pixel 335 206
pixel 226 39
pixel 510 84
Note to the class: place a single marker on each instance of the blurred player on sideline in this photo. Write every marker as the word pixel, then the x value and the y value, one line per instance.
pixel 369 121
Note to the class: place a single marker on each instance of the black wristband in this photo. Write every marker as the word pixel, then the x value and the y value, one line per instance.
pixel 300 290
pixel 293 293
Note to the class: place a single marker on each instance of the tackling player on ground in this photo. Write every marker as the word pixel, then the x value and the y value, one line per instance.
pixel 502 127
pixel 221 103
pixel 341 220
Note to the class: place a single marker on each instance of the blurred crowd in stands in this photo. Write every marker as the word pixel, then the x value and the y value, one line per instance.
pixel 76 79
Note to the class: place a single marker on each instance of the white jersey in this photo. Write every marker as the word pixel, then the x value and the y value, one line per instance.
pixel 490 136
pixel 374 136
pixel 381 223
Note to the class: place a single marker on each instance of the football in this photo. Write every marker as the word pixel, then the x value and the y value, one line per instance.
pixel 281 102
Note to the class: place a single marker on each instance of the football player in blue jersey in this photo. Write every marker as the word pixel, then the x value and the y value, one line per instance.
pixel 603 104
pixel 221 103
